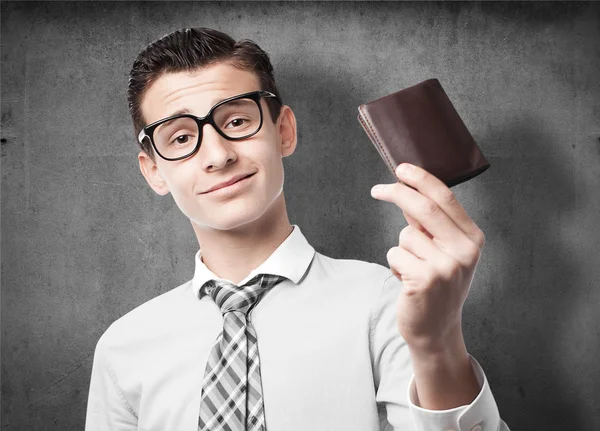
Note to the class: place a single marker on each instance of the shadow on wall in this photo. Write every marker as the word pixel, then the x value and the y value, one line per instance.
pixel 329 177
pixel 534 283
pixel 515 327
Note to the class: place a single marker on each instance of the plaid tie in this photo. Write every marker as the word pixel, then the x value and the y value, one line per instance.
pixel 232 390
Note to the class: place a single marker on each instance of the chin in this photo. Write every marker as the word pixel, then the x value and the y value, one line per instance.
pixel 230 217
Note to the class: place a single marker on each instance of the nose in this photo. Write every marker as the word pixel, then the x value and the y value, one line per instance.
pixel 215 151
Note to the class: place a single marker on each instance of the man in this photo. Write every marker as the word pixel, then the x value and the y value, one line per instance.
pixel 269 333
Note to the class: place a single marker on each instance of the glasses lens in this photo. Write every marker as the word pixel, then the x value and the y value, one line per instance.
pixel 238 118
pixel 176 138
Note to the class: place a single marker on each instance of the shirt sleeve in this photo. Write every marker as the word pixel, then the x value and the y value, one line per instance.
pixel 396 394
pixel 107 407
pixel 481 415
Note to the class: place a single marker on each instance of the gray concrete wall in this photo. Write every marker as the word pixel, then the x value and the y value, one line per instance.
pixel 84 239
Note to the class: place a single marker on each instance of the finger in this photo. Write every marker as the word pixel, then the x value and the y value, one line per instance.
pixel 444 232
pixel 415 223
pixel 407 267
pixel 433 188
pixel 419 244
pixel 422 210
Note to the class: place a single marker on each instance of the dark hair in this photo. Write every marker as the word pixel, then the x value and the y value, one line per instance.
pixel 190 49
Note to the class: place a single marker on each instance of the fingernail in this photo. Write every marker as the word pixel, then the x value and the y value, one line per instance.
pixel 376 190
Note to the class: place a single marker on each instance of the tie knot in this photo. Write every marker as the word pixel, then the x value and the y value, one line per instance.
pixel 230 297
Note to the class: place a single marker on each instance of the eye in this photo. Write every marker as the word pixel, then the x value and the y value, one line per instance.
pixel 181 139
pixel 237 122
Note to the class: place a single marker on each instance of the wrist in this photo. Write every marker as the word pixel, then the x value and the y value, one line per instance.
pixel 450 343
pixel 444 376
pixel 452 363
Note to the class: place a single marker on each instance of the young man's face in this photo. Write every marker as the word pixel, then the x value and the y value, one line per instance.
pixel 218 159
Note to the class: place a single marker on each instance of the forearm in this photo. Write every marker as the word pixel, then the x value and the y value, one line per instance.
pixel 444 377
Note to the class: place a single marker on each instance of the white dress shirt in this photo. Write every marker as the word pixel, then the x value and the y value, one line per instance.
pixel 330 352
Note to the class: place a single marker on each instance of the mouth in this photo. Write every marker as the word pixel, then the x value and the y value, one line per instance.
pixel 233 186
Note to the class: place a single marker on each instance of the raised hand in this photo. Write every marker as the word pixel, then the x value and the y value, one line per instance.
pixel 436 257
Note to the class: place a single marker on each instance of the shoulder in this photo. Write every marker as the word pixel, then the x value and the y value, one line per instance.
pixel 145 319
pixel 357 279
pixel 363 285
pixel 372 281
pixel 352 269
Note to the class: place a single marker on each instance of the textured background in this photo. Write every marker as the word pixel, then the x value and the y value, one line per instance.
pixel 84 239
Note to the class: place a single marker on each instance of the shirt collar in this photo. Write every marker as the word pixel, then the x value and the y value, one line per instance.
pixel 291 260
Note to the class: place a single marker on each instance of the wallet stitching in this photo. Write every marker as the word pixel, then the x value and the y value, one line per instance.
pixel 377 140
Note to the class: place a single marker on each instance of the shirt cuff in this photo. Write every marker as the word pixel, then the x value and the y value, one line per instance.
pixel 482 414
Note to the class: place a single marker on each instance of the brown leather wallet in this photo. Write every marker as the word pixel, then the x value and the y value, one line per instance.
pixel 420 125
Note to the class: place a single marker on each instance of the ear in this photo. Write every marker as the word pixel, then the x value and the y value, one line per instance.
pixel 287 130
pixel 152 174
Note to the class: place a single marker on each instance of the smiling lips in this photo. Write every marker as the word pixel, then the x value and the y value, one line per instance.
pixel 228 183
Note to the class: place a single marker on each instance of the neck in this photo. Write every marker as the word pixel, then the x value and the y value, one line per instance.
pixel 232 254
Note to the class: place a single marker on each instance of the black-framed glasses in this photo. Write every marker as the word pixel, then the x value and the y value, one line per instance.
pixel 179 136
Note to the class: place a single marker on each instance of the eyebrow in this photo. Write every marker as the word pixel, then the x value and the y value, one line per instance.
pixel 187 111
pixel 238 102
pixel 179 111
